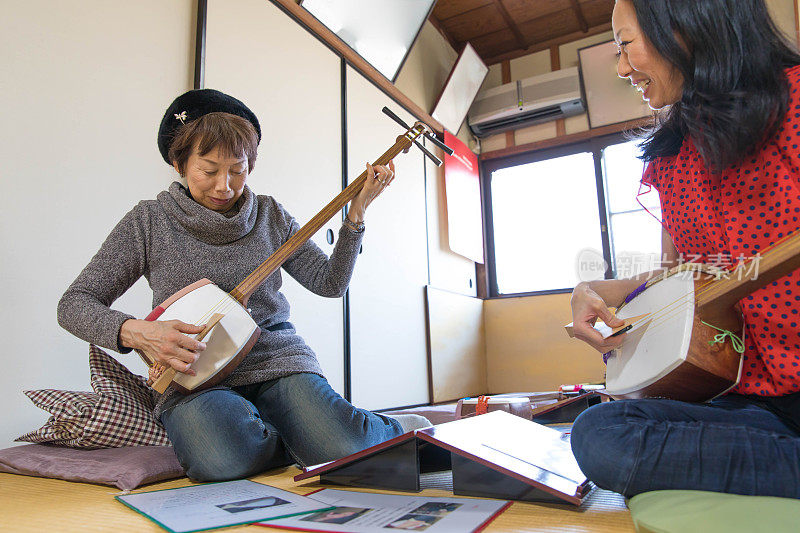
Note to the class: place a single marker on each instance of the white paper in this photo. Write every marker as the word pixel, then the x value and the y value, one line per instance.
pixel 360 512
pixel 215 505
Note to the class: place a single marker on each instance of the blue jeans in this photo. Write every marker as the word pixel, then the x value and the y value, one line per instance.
pixel 225 433
pixel 733 444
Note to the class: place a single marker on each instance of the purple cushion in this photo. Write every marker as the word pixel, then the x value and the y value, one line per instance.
pixel 118 413
pixel 125 468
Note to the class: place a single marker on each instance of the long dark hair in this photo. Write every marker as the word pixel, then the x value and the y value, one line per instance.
pixel 732 58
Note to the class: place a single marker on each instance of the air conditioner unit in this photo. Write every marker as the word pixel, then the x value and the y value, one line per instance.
pixel 525 102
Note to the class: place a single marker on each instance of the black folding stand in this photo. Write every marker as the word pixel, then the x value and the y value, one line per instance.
pixel 496 455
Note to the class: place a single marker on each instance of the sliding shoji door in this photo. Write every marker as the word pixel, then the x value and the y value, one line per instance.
pixel 291 81
pixel 387 310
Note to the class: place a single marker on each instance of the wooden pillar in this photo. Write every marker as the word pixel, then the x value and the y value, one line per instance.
pixel 797 22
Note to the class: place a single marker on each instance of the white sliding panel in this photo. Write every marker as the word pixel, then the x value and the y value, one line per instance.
pixel 291 81
pixel 387 301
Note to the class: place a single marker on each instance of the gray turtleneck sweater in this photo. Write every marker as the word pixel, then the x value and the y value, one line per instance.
pixel 173 241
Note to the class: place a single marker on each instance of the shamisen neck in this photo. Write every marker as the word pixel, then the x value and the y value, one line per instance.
pixel 778 260
pixel 245 289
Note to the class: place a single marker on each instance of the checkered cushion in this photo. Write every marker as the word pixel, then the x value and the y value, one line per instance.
pixel 118 413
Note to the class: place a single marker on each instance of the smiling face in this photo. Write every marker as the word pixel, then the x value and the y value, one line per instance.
pixel 659 81
pixel 215 180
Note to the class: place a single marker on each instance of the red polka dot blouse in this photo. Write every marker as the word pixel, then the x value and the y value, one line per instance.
pixel 740 213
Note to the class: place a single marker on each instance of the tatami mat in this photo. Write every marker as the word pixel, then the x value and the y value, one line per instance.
pixel 29 504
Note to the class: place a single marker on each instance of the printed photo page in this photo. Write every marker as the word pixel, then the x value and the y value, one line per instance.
pixel 360 512
pixel 215 505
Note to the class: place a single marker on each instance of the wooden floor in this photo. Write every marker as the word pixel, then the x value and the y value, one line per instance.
pixel 38 504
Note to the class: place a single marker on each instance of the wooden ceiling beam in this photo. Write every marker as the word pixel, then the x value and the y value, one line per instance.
pixel 511 24
pixel 576 7
pixel 307 20
pixel 449 38
pixel 502 29
pixel 464 12
pixel 544 45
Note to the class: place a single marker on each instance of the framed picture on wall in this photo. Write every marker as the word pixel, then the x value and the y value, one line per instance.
pixel 609 98
pixel 460 89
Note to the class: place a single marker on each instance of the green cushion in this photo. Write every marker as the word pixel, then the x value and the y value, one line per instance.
pixel 685 511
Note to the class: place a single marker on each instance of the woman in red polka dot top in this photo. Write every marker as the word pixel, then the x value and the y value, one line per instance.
pixel 725 159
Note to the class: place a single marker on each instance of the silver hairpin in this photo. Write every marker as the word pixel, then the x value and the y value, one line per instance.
pixel 181 116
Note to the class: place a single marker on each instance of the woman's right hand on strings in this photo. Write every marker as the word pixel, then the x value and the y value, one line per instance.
pixel 167 342
pixel 587 307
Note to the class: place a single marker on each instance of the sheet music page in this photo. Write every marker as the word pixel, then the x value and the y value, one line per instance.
pixel 214 505
pixel 361 512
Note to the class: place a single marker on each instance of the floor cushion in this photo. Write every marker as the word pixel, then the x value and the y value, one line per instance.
pixel 118 412
pixel 125 468
pixel 687 511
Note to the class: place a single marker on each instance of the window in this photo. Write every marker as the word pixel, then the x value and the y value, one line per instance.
pixel 635 232
pixel 535 237
pixel 560 216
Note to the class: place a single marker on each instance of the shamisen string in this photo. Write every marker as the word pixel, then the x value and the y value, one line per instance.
pixel 661 316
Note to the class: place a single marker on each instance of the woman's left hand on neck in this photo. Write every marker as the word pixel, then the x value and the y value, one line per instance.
pixel 378 178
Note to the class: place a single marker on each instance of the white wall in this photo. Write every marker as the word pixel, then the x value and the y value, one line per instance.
pixel 84 87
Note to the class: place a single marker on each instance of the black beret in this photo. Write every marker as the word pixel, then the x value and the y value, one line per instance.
pixel 193 105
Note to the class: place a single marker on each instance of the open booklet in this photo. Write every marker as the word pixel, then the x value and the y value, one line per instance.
pixel 215 505
pixel 360 512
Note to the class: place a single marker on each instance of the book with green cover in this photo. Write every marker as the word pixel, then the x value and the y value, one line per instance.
pixel 215 505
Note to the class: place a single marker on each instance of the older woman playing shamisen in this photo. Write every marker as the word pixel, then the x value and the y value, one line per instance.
pixel 276 407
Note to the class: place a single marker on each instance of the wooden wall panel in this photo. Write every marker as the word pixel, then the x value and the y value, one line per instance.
pixel 292 83
pixel 527 348
pixel 457 345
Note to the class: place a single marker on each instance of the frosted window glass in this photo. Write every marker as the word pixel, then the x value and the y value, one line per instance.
pixel 636 240
pixel 635 233
pixel 623 173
